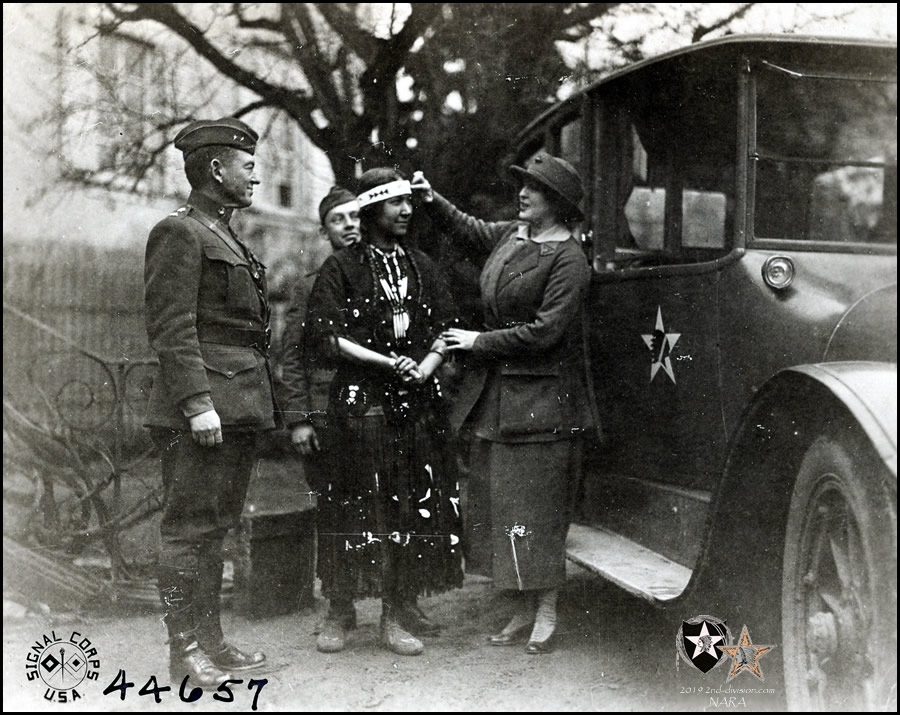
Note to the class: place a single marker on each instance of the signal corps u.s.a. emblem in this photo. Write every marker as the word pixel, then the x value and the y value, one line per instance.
pixel 699 642
pixel 62 665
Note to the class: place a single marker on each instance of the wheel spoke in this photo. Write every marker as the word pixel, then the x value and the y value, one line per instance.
pixel 833 602
pixel 857 558
pixel 841 561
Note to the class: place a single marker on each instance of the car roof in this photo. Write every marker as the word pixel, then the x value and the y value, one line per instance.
pixel 856 54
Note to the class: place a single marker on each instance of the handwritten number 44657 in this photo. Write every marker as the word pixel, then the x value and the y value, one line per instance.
pixel 152 687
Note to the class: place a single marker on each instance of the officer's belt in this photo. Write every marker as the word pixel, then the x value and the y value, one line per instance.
pixel 209 333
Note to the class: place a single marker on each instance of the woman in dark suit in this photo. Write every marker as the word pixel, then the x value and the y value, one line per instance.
pixel 524 397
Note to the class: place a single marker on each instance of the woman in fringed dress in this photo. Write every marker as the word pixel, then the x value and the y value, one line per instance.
pixel 388 517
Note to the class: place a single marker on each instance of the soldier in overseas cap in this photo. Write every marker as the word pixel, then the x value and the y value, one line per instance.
pixel 305 389
pixel 208 322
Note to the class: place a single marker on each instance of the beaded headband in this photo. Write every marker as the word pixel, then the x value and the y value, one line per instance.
pixel 383 192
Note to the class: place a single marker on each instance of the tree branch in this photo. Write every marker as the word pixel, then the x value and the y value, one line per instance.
pixel 392 53
pixel 261 23
pixel 580 14
pixel 344 24
pixel 166 14
pixel 702 31
pixel 252 107
pixel 310 60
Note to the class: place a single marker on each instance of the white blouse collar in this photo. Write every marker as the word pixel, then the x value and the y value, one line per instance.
pixel 552 234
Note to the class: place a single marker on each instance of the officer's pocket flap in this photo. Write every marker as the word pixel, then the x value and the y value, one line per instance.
pixel 230 363
pixel 223 253
pixel 530 403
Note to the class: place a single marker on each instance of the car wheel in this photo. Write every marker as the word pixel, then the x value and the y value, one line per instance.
pixel 839 598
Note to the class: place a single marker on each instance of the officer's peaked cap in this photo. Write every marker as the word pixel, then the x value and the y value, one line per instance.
pixel 226 131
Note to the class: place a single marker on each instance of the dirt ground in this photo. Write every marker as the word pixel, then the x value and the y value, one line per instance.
pixel 615 653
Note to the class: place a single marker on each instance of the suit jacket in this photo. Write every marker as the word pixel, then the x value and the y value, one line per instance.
pixel 207 320
pixel 526 379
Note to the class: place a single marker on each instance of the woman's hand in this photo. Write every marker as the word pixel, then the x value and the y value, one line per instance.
pixel 458 339
pixel 304 439
pixel 407 368
pixel 421 184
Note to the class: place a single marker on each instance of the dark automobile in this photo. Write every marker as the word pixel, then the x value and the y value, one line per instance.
pixel 742 223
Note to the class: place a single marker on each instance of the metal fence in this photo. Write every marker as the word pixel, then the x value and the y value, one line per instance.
pixel 74 338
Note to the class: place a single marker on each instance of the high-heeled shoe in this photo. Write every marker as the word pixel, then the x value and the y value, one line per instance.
pixel 512 637
pixel 523 619
pixel 541 640
pixel 541 647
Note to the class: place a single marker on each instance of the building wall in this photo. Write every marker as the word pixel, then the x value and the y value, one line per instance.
pixel 73 251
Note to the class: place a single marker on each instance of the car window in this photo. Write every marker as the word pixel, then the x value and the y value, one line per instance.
pixel 826 155
pixel 701 219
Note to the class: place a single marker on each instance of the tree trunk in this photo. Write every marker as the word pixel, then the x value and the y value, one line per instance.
pixel 344 168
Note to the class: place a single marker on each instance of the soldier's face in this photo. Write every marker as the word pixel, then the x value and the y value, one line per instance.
pixel 341 226
pixel 234 172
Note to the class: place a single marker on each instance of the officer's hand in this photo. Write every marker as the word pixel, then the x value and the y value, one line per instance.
pixel 304 439
pixel 423 186
pixel 206 428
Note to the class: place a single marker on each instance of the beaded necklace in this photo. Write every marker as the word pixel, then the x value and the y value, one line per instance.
pixel 394 283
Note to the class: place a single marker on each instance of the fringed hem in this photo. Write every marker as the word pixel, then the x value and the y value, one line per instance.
pixel 389 516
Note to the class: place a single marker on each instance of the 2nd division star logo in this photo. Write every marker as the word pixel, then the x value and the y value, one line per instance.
pixel 745 656
pixel 700 642
pixel 661 345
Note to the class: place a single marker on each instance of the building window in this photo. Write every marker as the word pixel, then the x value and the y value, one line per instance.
pixel 285 196
pixel 124 80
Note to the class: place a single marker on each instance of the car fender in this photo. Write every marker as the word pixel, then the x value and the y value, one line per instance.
pixel 869 392
pixel 740 564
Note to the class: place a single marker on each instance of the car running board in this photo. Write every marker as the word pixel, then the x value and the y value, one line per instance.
pixel 638 570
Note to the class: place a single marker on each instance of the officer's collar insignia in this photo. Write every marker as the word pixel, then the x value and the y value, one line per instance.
pixel 548 247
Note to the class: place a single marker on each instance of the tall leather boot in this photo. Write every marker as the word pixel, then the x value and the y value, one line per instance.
pixel 224 655
pixel 208 599
pixel 186 657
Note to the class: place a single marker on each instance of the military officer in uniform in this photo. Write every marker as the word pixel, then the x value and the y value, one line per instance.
pixel 207 320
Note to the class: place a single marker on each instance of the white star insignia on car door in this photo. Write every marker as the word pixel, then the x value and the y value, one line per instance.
pixel 661 345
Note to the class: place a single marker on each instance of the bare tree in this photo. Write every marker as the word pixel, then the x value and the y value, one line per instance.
pixel 333 67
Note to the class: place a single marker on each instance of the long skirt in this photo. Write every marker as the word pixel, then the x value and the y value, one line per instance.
pixel 518 509
pixel 389 523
